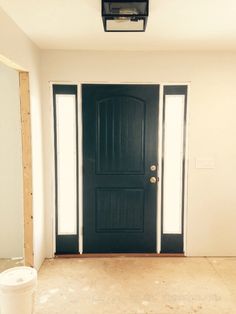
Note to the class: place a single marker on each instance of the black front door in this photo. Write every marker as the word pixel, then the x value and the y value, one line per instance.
pixel 119 148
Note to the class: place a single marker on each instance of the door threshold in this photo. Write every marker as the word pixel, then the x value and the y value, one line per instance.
pixel 111 255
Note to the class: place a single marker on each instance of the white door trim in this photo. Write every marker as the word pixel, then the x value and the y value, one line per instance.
pixel 80 160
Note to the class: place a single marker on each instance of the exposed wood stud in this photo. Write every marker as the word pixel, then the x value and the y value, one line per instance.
pixel 27 167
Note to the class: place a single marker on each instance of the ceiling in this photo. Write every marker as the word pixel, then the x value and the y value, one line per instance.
pixel 172 25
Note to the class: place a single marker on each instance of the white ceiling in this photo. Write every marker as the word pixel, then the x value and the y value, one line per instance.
pixel 172 25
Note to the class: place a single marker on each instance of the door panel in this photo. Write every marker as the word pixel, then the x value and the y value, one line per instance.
pixel 120 136
pixel 119 146
pixel 119 210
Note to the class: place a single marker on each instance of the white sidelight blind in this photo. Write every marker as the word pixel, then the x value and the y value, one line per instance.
pixel 66 164
pixel 173 163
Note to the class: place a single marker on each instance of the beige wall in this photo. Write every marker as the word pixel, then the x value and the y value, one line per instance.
pixel 15 46
pixel 211 200
pixel 211 213
pixel 11 180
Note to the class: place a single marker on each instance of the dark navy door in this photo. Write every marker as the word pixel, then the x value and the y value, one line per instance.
pixel 120 161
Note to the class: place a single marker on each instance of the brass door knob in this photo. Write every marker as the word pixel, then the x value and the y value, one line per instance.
pixel 153 180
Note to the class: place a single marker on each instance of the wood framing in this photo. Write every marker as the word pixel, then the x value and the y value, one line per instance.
pixel 27 167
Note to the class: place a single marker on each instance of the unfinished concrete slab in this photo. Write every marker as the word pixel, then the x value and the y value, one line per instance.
pixel 6 263
pixel 137 285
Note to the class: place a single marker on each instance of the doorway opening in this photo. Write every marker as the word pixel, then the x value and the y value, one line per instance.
pixel 16 214
pixel 120 185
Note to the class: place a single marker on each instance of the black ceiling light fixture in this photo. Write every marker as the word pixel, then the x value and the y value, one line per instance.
pixel 124 15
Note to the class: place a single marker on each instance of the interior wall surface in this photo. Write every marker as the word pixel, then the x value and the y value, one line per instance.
pixel 19 51
pixel 211 158
pixel 11 172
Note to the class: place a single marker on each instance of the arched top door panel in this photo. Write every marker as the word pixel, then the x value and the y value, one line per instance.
pixel 120 135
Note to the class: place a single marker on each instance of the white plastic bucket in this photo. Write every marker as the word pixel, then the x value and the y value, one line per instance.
pixel 17 290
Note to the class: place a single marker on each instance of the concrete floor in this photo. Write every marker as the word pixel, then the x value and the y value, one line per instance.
pixel 137 285
pixel 6 263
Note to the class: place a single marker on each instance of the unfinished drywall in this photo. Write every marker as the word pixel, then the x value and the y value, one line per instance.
pixel 211 200
pixel 15 46
pixel 11 178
